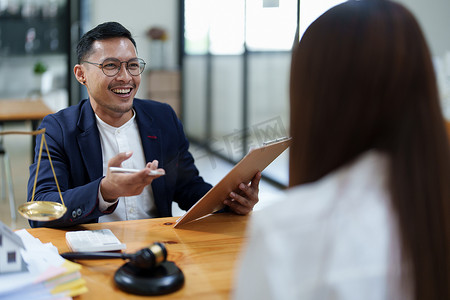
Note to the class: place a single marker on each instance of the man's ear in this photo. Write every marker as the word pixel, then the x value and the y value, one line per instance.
pixel 78 70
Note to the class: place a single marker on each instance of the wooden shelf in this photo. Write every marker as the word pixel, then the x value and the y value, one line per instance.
pixel 164 86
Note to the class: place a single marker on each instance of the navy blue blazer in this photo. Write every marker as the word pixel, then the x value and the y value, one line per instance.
pixel 75 151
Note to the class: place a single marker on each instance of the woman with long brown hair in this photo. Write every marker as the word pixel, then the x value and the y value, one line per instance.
pixel 368 214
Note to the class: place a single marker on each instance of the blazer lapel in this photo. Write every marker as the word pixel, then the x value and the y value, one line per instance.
pixel 89 142
pixel 152 144
pixel 151 137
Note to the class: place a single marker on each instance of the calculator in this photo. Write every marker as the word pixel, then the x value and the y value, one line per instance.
pixel 93 241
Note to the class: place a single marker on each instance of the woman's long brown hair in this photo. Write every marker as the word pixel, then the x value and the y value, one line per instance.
pixel 362 78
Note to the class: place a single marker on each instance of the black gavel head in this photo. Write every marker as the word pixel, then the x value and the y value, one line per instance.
pixel 147 272
pixel 149 257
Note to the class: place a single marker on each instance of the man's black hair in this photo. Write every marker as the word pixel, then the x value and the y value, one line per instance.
pixel 103 31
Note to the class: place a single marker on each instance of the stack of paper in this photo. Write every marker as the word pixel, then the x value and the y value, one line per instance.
pixel 48 275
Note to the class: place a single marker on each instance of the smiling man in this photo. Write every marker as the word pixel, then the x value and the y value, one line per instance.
pixel 114 129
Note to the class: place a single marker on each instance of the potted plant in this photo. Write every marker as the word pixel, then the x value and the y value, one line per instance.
pixel 39 69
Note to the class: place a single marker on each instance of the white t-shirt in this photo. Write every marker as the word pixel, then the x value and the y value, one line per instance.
pixel 123 139
pixel 332 239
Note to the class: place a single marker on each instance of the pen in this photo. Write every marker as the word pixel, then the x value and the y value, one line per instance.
pixel 127 170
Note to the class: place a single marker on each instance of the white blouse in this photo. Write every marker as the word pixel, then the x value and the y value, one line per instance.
pixel 332 239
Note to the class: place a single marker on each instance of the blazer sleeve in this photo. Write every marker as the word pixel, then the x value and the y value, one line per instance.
pixel 79 194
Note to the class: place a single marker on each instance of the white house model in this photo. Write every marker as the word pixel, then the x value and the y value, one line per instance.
pixel 10 256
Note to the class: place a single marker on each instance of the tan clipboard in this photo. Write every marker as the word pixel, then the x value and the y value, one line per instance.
pixel 256 160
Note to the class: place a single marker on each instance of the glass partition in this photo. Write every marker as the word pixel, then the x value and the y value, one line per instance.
pixel 235 95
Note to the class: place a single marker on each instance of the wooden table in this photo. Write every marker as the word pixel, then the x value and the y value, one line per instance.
pixel 20 110
pixel 205 250
pixel 23 110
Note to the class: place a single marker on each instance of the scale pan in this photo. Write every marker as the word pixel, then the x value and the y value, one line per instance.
pixel 42 210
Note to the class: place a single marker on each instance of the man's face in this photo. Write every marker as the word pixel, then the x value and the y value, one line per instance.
pixel 111 97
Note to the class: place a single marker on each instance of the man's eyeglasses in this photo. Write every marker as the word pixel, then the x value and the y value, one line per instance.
pixel 112 66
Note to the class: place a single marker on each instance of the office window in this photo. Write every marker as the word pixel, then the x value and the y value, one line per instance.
pixel 214 27
pixel 270 27
pixel 223 27
pixel 311 10
pixel 235 71
pixel 226 29
pixel 196 26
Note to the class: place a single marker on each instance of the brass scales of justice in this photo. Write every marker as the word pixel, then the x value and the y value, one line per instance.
pixel 40 210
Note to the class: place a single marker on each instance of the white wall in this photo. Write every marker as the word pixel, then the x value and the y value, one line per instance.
pixel 138 16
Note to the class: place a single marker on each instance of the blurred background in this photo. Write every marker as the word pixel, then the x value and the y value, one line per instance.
pixel 223 65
